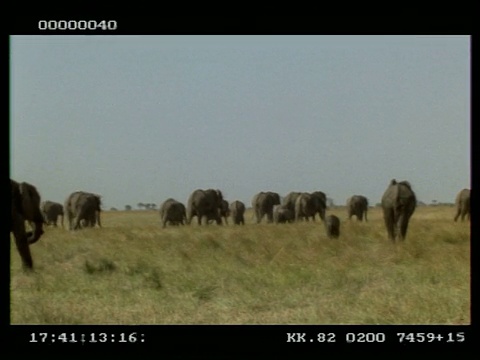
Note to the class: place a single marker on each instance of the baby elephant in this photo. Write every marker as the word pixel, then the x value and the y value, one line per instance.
pixel 282 215
pixel 332 226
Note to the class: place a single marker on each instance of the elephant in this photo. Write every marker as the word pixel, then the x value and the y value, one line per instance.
pixel 357 205
pixel 289 201
pixel 282 214
pixel 307 205
pixel 83 209
pixel 90 220
pixel 237 211
pixel 51 211
pixel 319 202
pixel 224 211
pixel 462 203
pixel 173 212
pixel 205 204
pixel 25 206
pixel 263 203
pixel 398 204
pixel 332 226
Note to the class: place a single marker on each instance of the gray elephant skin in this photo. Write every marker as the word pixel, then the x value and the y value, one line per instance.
pixel 51 211
pixel 282 214
pixel 25 206
pixel 289 200
pixel 237 211
pixel 263 204
pixel 398 204
pixel 205 205
pixel 83 210
pixel 321 203
pixel 332 226
pixel 462 204
pixel 316 204
pixel 308 205
pixel 172 212
pixel 357 205
pixel 224 211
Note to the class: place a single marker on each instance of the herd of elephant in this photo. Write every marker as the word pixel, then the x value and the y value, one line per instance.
pixel 83 210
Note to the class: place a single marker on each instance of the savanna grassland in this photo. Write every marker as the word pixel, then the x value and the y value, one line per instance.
pixel 132 271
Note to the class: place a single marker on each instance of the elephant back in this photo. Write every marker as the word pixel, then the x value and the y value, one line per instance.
pixel 51 210
pixel 173 210
pixel 81 200
pixel 463 196
pixel 290 199
pixel 321 196
pixel 357 201
pixel 266 199
pixel 282 214
pixel 304 203
pixel 237 207
pixel 332 226
pixel 207 200
pixel 31 200
pixel 166 204
pixel 54 207
pixel 319 203
pixel 399 194
pixel 224 208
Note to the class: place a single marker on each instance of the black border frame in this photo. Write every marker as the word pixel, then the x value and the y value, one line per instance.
pixel 230 341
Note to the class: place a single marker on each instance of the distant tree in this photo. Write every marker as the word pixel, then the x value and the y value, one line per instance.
pixel 140 205
pixel 113 209
pixel 153 206
pixel 128 207
pixel 434 202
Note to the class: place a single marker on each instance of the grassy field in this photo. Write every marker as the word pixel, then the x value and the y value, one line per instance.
pixel 132 271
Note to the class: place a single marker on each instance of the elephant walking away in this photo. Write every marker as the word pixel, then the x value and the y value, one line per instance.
pixel 172 212
pixel 263 203
pixel 307 205
pixel 398 204
pixel 205 204
pixel 320 204
pixel 224 211
pixel 282 214
pixel 82 209
pixel 25 206
pixel 332 226
pixel 318 201
pixel 51 211
pixel 462 204
pixel 288 201
pixel 237 211
pixel 357 205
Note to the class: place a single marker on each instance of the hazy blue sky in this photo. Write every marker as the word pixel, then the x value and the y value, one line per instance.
pixel 144 118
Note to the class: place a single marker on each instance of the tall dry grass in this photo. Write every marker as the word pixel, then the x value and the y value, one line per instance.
pixel 132 271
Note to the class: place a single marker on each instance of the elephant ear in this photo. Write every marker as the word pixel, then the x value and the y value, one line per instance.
pixel 30 201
